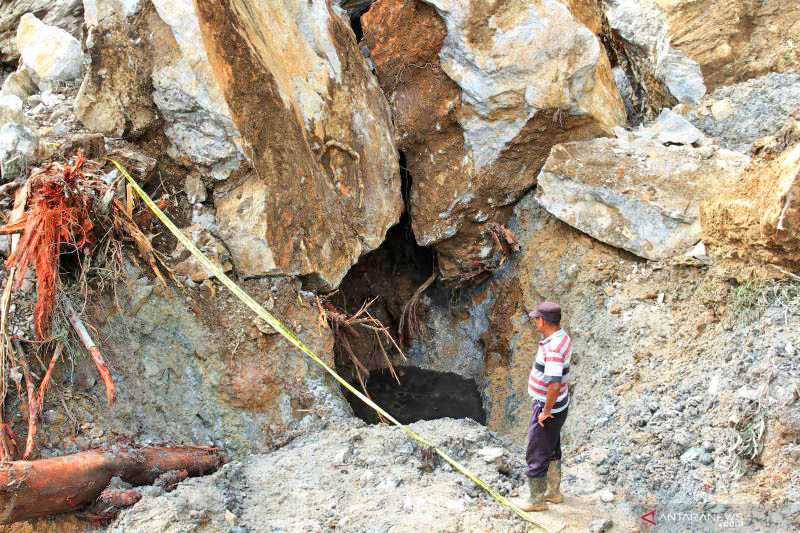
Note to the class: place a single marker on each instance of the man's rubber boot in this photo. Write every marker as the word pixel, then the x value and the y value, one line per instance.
pixel 553 493
pixel 535 500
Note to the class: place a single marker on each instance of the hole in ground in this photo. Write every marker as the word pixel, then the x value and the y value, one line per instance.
pixel 421 395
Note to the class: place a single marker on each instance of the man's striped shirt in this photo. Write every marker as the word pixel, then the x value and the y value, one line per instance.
pixel 552 365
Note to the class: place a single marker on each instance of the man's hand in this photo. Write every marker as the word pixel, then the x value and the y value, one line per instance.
pixel 544 415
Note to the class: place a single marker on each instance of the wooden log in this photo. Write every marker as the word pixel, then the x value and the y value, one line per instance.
pixel 33 489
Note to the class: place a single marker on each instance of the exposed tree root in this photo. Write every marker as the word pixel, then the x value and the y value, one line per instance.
pixel 410 326
pixel 94 351
pixel 33 489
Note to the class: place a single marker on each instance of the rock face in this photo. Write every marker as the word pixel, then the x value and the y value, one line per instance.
pixel 739 114
pixel 65 14
pixel 735 40
pixel 196 369
pixel 51 53
pixel 760 217
pixel 479 95
pixel 326 184
pixel 636 193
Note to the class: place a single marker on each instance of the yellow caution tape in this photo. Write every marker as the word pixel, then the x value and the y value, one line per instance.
pixel 292 338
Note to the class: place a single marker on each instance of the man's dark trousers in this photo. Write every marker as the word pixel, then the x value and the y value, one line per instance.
pixel 544 443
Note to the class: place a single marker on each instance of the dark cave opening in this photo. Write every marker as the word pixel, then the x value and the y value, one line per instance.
pixel 390 275
pixel 420 395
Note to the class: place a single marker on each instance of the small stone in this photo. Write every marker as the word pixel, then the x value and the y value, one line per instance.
pixel 671 128
pixel 491 454
pixel 706 458
pixel 195 188
pixel 615 309
pixel 606 496
pixel 721 109
pixel 789 349
pixel 692 455
pixel 601 525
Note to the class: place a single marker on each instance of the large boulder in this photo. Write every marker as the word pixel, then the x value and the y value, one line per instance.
pixel 64 14
pixel 636 192
pixel 479 96
pixel 759 218
pixel 326 182
pixel 49 52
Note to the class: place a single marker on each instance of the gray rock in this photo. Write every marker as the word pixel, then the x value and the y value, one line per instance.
pixel 671 128
pixel 636 193
pixel 198 120
pixel 692 455
pixel 195 188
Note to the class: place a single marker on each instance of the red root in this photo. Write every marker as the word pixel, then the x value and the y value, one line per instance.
pixel 32 489
pixel 47 376
pixel 57 216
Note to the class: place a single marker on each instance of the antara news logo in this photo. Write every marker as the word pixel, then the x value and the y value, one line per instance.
pixel 718 521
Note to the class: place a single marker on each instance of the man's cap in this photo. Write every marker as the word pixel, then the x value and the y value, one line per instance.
pixel 549 311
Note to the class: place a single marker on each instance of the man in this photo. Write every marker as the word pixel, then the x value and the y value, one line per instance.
pixel 547 386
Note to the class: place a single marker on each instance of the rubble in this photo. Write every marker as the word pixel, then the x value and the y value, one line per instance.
pixel 738 115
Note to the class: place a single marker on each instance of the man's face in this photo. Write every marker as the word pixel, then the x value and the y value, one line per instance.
pixel 539 323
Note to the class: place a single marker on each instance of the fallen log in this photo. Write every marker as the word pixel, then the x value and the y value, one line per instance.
pixel 33 489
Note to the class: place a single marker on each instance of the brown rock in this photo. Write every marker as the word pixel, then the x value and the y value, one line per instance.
pixel 476 131
pixel 759 219
pixel 326 185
